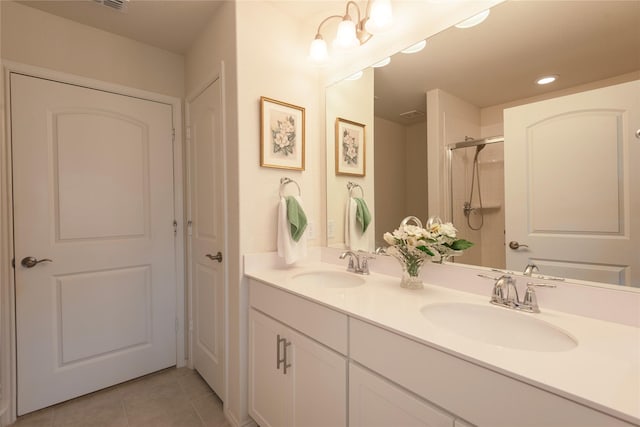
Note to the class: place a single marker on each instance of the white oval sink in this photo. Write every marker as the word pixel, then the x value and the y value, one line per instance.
pixel 328 279
pixel 499 326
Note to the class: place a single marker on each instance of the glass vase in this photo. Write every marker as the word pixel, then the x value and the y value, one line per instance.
pixel 411 273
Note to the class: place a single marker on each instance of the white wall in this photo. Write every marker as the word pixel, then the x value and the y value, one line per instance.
pixel 33 37
pixel 271 55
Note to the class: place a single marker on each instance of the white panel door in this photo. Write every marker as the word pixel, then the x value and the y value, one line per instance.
pixel 571 188
pixel 93 193
pixel 206 213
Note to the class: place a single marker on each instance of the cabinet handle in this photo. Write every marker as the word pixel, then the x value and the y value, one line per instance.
pixel 279 359
pixel 286 362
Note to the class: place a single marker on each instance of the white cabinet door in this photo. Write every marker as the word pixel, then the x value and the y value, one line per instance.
pixel 269 388
pixel 310 392
pixel 376 402
pixel 319 377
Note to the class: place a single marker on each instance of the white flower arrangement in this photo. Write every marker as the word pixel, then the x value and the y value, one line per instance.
pixel 412 244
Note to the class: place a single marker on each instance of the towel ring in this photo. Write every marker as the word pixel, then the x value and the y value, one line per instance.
pixel 351 186
pixel 284 181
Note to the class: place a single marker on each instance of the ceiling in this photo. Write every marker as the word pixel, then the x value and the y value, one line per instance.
pixel 499 60
pixel 172 25
pixel 490 64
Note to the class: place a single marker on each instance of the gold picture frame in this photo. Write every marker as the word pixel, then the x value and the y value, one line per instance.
pixel 351 156
pixel 282 135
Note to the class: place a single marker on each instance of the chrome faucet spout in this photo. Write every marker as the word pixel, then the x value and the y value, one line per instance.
pixel 354 261
pixel 530 269
pixel 357 263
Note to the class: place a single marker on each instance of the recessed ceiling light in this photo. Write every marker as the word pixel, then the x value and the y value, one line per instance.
pixel 546 80
pixel 416 47
pixel 474 20
pixel 355 76
pixel 382 63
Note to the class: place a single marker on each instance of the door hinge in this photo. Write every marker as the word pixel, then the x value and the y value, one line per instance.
pixel 175 226
pixel 173 134
pixel 189 228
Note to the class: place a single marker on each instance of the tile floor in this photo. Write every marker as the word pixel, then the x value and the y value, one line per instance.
pixel 169 398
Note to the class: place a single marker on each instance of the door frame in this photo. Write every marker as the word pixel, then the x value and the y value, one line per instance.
pixel 218 74
pixel 8 368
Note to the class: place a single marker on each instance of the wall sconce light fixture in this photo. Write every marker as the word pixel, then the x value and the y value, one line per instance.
pixel 378 18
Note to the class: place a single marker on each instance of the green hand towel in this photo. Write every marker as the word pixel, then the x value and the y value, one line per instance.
pixel 363 216
pixel 296 217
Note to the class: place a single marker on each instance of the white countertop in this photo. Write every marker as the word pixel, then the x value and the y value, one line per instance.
pixel 602 371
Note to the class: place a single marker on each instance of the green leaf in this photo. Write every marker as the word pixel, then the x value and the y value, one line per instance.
pixel 426 250
pixel 460 245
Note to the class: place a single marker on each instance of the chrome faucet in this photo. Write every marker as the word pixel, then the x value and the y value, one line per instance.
pixel 530 269
pixel 505 294
pixel 357 264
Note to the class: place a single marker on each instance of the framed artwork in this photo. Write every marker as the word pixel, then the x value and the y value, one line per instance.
pixel 350 148
pixel 281 135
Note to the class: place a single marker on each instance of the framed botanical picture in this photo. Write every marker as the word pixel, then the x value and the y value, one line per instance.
pixel 350 148
pixel 281 135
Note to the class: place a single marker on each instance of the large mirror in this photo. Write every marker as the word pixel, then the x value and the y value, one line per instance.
pixel 431 150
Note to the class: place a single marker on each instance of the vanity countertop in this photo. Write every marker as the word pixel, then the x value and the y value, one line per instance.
pixel 602 371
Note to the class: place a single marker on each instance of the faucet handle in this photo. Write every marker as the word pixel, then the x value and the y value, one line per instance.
pixel 364 263
pixel 530 301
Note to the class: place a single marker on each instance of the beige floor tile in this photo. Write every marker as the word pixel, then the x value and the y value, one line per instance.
pixel 41 418
pixel 209 408
pixel 169 398
pixel 194 386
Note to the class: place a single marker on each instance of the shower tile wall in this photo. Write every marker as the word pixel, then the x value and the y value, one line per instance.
pixel 489 249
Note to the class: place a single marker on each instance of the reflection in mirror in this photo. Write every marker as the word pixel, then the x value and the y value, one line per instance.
pixel 459 87
pixel 350 100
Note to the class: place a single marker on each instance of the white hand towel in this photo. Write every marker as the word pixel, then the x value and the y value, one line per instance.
pixel 289 249
pixel 354 239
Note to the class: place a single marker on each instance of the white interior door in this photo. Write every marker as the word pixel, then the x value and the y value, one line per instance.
pixel 93 193
pixel 572 188
pixel 206 214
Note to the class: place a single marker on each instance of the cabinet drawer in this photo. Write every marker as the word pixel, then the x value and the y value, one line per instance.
pixel 376 402
pixel 476 394
pixel 323 324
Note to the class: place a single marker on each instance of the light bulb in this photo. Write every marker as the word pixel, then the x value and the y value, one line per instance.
pixel 474 20
pixel 380 17
pixel 415 48
pixel 318 50
pixel 546 80
pixel 346 34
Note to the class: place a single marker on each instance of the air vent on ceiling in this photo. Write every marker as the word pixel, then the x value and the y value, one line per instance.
pixel 413 114
pixel 114 4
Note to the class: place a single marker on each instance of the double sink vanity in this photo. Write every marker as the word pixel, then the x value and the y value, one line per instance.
pixel 329 347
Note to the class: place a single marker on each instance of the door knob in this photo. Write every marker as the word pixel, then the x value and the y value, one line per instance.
pixel 515 245
pixel 30 262
pixel 216 257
